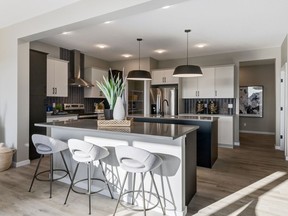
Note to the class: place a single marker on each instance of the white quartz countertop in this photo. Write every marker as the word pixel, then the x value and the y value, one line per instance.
pixel 171 131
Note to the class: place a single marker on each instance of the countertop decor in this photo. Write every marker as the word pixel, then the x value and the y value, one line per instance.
pixel 112 88
pixel 114 123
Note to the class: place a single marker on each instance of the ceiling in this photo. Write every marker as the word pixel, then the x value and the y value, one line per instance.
pixel 14 11
pixel 224 25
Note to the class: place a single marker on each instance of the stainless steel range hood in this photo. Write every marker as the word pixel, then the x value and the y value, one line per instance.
pixel 77 80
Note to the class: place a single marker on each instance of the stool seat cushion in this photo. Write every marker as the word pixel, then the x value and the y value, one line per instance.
pixel 131 163
pixel 48 145
pixel 135 160
pixel 44 148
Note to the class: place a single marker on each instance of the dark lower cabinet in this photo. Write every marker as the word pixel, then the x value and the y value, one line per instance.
pixel 207 137
pixel 37 88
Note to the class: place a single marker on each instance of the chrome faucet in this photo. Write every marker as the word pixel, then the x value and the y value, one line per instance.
pixel 167 103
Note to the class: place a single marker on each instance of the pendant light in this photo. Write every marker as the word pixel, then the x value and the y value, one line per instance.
pixel 139 74
pixel 187 70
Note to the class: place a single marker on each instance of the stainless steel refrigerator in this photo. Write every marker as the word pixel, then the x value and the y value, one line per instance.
pixel 164 100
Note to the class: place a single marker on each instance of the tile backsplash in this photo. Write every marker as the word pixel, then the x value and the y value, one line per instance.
pixel 225 106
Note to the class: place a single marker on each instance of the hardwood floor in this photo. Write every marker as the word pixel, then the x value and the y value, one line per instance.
pixel 247 180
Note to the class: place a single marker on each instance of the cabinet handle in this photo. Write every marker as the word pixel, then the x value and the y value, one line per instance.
pixel 55 90
pixel 215 93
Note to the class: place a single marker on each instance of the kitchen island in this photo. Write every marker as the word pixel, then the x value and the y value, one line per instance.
pixel 207 134
pixel 174 143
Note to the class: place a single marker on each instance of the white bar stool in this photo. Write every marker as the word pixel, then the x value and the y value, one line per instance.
pixel 88 153
pixel 46 145
pixel 135 160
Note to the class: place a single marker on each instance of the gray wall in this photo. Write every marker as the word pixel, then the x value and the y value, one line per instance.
pixel 132 64
pixel 52 51
pixel 284 51
pixel 263 75
pixel 94 62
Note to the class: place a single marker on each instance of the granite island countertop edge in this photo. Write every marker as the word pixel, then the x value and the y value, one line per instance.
pixel 91 125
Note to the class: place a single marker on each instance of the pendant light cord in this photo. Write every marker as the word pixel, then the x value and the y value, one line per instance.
pixel 187 31
pixel 139 39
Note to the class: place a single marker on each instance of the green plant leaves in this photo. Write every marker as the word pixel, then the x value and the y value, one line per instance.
pixel 112 88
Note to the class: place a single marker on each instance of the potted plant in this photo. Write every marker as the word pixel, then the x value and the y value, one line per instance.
pixel 112 89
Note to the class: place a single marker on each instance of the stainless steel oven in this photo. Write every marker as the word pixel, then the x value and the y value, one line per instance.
pixel 80 110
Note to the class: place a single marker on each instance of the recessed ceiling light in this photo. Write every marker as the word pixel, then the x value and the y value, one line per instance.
pixel 108 22
pixel 201 45
pixel 166 7
pixel 101 46
pixel 127 55
pixel 160 51
pixel 66 33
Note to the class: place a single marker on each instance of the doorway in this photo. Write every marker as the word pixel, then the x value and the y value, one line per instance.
pixel 260 73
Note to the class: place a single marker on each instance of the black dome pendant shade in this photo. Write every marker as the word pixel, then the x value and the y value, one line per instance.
pixel 187 70
pixel 139 74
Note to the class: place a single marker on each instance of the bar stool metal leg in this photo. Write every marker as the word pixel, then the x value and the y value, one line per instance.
pixel 72 182
pixel 89 185
pixel 143 193
pixel 123 185
pixel 51 174
pixel 36 171
pixel 65 164
pixel 152 177
pixel 100 162
pixel 134 180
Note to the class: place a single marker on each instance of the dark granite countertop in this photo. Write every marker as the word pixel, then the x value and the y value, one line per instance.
pixel 179 117
pixel 49 115
pixel 171 131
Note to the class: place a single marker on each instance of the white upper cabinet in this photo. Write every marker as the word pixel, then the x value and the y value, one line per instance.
pixel 224 82
pixel 216 82
pixel 163 76
pixel 57 78
pixel 206 83
pixel 91 75
pixel 199 87
pixel 189 87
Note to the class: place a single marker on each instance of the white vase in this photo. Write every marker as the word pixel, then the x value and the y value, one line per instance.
pixel 119 111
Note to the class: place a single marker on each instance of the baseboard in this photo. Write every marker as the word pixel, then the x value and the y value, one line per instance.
pixel 225 145
pixel 279 148
pixel 257 132
pixel 236 143
pixel 21 163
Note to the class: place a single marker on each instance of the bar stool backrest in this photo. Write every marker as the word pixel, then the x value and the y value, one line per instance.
pixel 47 145
pixel 136 160
pixel 83 151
